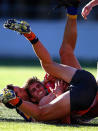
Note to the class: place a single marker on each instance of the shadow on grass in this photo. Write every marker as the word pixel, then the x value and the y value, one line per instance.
pixel 74 125
pixel 88 124
pixel 47 123
pixel 11 120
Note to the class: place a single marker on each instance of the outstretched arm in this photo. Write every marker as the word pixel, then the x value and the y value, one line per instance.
pixel 87 9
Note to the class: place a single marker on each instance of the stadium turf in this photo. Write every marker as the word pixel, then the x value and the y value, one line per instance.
pixel 10 120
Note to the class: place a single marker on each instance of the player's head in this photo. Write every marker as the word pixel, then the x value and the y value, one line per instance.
pixel 35 89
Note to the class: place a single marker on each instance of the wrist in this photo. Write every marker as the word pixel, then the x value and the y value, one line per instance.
pixel 93 3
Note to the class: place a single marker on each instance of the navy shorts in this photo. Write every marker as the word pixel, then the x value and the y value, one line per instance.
pixel 83 89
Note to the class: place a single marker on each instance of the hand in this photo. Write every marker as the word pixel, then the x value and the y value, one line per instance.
pixel 60 87
pixel 58 90
pixel 86 10
pixel 48 78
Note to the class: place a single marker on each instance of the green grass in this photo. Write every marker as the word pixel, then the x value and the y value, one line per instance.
pixel 18 75
pixel 11 121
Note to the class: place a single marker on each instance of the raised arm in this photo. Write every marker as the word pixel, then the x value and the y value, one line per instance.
pixel 87 9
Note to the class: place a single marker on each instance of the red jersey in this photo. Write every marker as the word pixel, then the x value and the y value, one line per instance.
pixel 50 83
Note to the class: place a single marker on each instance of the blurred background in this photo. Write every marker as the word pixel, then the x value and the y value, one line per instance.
pixel 48 25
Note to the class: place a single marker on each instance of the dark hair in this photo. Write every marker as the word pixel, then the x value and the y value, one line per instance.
pixel 11 87
pixel 29 82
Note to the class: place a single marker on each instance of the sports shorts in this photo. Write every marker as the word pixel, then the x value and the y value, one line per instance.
pixel 83 89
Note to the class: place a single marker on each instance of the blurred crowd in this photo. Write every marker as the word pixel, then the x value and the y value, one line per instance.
pixel 35 9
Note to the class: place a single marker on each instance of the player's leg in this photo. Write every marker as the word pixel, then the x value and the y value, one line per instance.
pixel 83 86
pixel 60 106
pixel 81 94
pixel 68 45
pixel 57 70
pixel 56 109
pixel 92 113
pixel 69 40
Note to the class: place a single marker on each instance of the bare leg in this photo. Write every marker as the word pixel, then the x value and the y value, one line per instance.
pixel 68 45
pixel 58 108
pixel 57 70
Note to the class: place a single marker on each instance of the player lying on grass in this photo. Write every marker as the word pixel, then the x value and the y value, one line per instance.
pixel 70 31
pixel 87 9
pixel 67 56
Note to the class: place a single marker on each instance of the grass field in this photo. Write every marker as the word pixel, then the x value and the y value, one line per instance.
pixel 11 121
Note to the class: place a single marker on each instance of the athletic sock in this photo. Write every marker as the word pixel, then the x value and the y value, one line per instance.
pixel 72 12
pixel 31 37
